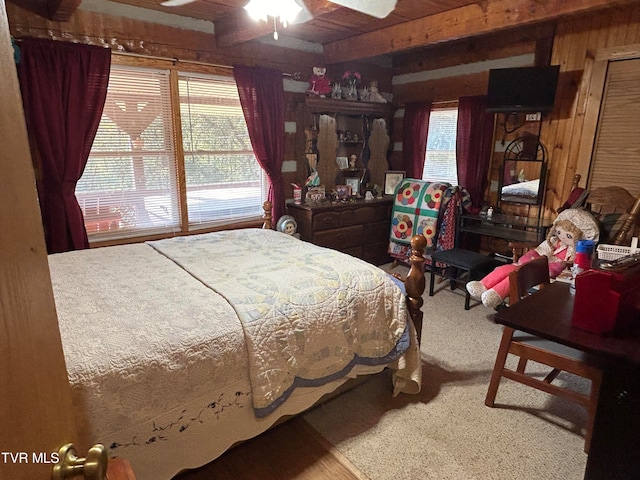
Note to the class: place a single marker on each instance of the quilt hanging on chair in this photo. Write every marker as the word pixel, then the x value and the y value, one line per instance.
pixel 416 208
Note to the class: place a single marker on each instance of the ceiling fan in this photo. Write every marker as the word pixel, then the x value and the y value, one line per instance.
pixel 374 8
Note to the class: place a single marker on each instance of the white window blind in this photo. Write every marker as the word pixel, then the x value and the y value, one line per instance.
pixel 616 154
pixel 129 185
pixel 224 180
pixel 440 159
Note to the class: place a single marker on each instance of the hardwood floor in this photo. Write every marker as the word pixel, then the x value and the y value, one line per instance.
pixel 291 451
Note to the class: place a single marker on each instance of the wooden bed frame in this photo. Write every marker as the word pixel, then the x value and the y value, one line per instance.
pixel 414 282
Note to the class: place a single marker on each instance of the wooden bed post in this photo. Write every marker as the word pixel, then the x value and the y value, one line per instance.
pixel 268 223
pixel 415 282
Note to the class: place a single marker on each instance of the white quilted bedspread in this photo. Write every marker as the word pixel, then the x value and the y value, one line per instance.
pixel 309 314
pixel 159 361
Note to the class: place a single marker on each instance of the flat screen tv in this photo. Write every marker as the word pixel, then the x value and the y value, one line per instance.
pixel 522 89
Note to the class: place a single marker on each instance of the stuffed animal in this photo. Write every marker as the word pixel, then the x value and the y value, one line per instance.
pixel 319 83
pixel 570 226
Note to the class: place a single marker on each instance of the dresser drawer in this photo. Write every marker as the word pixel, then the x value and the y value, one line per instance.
pixel 340 238
pixel 326 220
pixel 377 232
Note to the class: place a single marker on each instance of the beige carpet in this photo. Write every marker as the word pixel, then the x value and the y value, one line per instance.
pixel 446 432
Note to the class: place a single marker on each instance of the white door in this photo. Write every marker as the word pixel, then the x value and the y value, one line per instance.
pixel 36 416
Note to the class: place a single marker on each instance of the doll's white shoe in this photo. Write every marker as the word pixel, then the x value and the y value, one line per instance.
pixel 491 299
pixel 476 289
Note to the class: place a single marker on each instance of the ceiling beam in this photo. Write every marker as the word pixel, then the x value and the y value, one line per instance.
pixel 489 16
pixel 56 10
pixel 239 27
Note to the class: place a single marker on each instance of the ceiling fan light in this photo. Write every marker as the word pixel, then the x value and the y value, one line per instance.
pixel 284 10
pixel 257 9
pixel 288 10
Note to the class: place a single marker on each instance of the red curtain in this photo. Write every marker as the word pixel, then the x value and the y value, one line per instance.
pixel 64 86
pixel 262 98
pixel 473 147
pixel 415 127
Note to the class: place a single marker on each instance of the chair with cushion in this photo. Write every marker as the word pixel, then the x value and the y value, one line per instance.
pixel 460 266
pixel 431 209
pixel 528 347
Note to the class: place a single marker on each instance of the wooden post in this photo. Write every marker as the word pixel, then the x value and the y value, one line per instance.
pixel 268 222
pixel 415 282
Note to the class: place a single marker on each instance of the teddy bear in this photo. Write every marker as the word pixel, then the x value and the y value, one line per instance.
pixel 570 226
pixel 319 83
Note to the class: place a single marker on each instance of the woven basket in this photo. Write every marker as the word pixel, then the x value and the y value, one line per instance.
pixel 613 252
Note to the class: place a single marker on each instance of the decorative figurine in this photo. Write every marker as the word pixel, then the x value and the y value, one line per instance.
pixel 287 225
pixel 374 93
pixel 319 83
pixel 336 91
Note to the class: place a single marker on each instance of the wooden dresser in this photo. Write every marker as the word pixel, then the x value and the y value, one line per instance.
pixel 358 228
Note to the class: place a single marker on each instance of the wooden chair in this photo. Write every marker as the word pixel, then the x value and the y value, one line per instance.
pixel 611 206
pixel 528 347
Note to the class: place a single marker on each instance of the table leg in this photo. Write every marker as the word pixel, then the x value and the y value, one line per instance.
pixel 615 444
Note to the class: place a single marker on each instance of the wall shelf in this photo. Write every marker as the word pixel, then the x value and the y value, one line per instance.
pixel 347 107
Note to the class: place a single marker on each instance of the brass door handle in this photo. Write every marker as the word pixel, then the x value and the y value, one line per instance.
pixel 92 467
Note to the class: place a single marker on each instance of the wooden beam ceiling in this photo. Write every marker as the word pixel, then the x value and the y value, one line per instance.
pixel 490 16
pixel 56 10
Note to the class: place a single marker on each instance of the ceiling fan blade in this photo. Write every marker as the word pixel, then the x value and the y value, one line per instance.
pixel 175 3
pixel 304 15
pixel 374 8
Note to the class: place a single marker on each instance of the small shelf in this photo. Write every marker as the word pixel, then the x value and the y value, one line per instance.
pixel 347 107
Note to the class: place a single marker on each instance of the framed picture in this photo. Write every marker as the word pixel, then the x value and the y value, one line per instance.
pixel 343 191
pixel 354 183
pixel 314 196
pixel 343 163
pixel 391 180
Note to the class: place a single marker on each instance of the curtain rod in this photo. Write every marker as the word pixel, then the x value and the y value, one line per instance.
pixel 295 75
pixel 438 103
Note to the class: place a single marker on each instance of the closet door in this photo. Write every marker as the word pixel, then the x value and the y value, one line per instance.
pixel 616 152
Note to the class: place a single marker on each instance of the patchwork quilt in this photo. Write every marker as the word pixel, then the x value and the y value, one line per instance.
pixel 416 209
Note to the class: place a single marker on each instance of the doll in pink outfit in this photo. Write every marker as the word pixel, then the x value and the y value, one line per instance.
pixel 570 226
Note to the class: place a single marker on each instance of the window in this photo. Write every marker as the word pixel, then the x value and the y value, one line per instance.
pixel 224 179
pixel 131 185
pixel 440 159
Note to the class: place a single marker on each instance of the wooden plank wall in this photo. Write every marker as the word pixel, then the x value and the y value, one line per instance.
pixel 563 132
pixel 567 132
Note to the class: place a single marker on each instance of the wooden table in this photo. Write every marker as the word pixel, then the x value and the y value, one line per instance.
pixel 615 445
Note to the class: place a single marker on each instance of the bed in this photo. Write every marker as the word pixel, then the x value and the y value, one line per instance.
pixel 180 348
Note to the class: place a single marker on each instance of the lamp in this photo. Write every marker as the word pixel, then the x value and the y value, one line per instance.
pixel 285 11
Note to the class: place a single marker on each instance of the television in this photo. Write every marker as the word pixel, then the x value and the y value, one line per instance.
pixel 522 89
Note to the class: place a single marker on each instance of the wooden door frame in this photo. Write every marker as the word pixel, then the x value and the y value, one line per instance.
pixel 36 415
